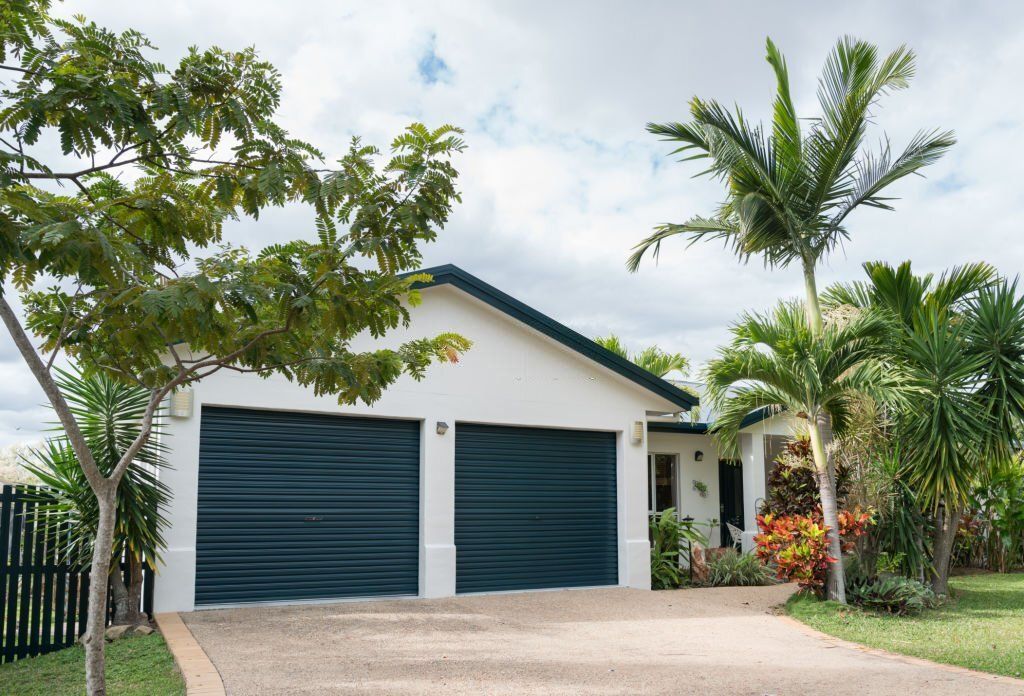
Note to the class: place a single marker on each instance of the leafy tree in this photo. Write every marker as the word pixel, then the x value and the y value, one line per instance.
pixel 109 413
pixel 653 359
pixel 959 339
pixel 790 189
pixel 777 362
pixel 115 246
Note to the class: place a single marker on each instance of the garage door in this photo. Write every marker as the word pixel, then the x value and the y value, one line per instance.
pixel 297 506
pixel 534 508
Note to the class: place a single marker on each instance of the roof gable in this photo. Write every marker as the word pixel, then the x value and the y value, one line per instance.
pixel 470 284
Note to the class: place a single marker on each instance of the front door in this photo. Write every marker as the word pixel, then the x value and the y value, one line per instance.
pixel 730 491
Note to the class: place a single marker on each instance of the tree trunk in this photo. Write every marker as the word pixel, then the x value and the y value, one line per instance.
pixel 946 524
pixel 835 587
pixel 136 615
pixel 95 680
pixel 127 599
pixel 812 307
pixel 119 595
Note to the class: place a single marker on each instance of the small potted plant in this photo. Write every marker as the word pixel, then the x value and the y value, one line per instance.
pixel 701 488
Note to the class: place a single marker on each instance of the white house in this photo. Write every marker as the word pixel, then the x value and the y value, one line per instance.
pixel 532 463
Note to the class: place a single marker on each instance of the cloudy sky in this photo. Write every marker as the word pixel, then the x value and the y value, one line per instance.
pixel 561 179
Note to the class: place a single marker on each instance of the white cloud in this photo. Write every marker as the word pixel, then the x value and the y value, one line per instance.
pixel 561 178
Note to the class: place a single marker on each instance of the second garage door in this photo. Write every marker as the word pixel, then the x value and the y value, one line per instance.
pixel 534 508
pixel 297 506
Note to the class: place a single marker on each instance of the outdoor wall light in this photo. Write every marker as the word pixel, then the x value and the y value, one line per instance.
pixel 698 456
pixel 638 432
pixel 442 427
pixel 181 403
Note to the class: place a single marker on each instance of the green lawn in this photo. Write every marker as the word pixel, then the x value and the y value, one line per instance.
pixel 139 666
pixel 981 627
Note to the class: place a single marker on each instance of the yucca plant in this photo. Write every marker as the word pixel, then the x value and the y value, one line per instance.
pixel 111 415
pixel 959 340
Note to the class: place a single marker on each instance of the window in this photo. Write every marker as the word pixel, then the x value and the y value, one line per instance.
pixel 662 474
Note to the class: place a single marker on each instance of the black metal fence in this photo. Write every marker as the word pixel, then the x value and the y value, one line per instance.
pixel 43 598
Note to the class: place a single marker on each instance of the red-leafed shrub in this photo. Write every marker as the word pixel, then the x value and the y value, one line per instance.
pixel 797 546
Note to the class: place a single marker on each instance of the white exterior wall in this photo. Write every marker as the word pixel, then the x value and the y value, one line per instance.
pixel 685 446
pixel 752 452
pixel 512 376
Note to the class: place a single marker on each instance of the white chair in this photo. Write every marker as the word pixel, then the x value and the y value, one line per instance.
pixel 737 536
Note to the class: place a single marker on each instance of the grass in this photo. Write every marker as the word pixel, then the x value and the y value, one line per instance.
pixel 981 627
pixel 139 666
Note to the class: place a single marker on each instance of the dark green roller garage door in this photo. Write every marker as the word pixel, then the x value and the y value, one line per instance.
pixel 534 508
pixel 297 506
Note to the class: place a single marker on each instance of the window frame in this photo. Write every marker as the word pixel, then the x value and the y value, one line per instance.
pixel 652 486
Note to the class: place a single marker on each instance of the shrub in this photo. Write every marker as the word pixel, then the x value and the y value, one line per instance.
pixel 792 488
pixel 732 568
pixel 797 546
pixel 668 534
pixel 894 595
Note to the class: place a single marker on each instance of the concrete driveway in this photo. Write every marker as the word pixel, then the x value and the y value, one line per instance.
pixel 608 641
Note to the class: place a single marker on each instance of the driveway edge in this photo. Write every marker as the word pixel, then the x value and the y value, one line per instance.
pixel 201 677
pixel 907 659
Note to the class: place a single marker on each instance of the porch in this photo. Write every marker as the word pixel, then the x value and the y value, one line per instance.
pixel 685 471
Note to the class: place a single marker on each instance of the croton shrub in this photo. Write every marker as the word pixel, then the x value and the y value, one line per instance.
pixel 797 545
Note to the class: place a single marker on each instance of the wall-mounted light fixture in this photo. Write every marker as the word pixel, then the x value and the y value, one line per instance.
pixel 638 432
pixel 181 404
pixel 698 456
pixel 442 427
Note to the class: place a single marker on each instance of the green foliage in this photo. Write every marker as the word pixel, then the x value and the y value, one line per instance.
pixel 732 568
pixel 958 339
pixel 790 186
pixel 164 157
pixel 901 528
pixel 653 359
pixel 671 537
pixel 111 418
pixel 776 361
pixel 996 537
pixel 892 595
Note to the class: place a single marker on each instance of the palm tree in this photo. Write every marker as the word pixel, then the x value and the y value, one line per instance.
pixel 111 416
pixel 789 193
pixel 959 339
pixel 777 362
pixel 653 359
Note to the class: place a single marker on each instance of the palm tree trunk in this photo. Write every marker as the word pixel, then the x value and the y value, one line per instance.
pixel 812 306
pixel 835 587
pixel 946 525
pixel 127 598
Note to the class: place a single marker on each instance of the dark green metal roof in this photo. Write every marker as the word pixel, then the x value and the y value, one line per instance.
pixel 468 283
pixel 701 428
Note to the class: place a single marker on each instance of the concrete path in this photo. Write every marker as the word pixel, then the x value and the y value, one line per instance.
pixel 609 641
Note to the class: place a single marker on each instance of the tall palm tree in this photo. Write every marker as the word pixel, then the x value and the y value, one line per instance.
pixel 776 361
pixel 653 359
pixel 790 191
pixel 959 339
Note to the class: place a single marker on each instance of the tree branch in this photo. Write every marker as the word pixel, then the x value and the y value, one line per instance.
pixel 35 364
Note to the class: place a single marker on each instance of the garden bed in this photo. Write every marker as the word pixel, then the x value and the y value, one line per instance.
pixel 981 627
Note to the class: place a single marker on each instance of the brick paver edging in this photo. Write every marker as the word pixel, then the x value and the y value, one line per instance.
pixel 201 677
pixel 909 659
